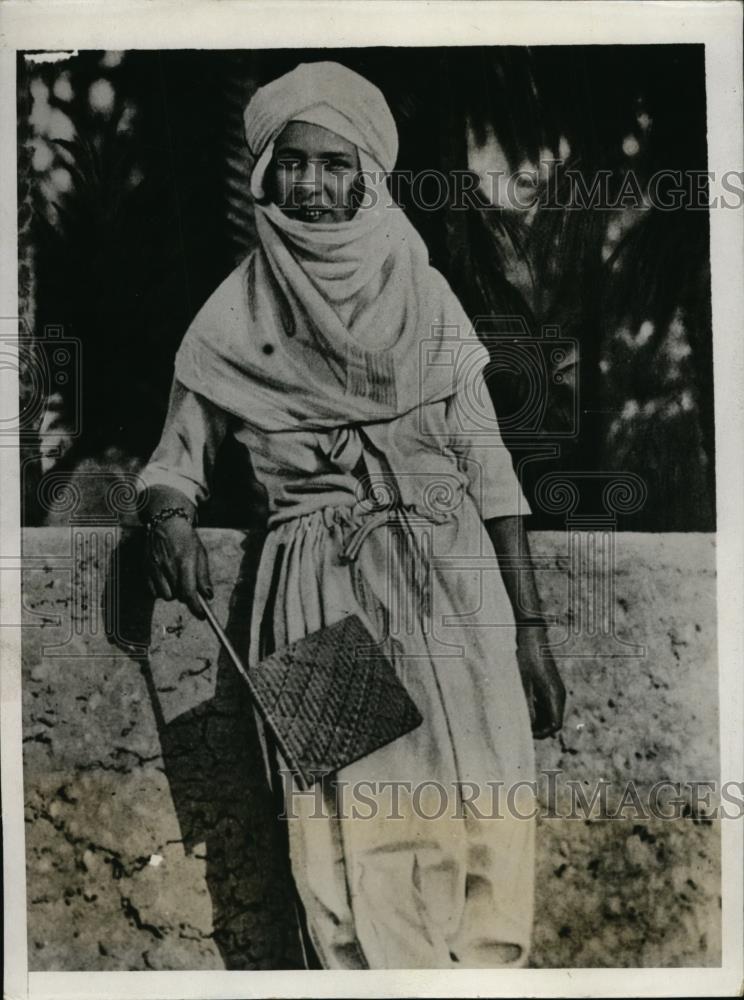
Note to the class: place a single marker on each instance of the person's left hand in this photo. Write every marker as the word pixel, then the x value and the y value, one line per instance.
pixel 543 687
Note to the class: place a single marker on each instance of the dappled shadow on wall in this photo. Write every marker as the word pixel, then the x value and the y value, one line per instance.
pixel 215 772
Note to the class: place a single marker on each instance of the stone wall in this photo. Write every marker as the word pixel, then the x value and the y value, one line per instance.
pixel 151 842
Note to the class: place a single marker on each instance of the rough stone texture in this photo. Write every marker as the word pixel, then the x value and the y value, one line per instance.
pixel 151 841
pixel 647 717
pixel 628 894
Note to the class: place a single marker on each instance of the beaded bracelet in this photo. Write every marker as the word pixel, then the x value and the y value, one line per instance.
pixel 166 513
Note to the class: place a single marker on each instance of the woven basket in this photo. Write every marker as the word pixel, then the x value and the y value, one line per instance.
pixel 328 699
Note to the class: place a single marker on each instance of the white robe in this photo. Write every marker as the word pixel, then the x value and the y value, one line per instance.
pixel 453 891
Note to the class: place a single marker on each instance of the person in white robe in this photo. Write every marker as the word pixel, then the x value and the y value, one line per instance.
pixel 346 366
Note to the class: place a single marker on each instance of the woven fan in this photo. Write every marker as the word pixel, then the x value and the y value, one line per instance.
pixel 327 699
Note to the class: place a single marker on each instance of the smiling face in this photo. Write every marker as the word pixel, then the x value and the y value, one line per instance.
pixel 312 174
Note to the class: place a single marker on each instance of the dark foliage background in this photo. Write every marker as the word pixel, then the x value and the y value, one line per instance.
pixel 133 206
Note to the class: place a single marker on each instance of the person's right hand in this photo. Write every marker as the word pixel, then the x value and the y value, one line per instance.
pixel 177 564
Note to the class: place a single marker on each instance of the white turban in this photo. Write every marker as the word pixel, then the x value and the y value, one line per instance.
pixel 326 94
pixel 325 323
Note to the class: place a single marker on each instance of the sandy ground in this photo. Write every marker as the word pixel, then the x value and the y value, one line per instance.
pixel 151 842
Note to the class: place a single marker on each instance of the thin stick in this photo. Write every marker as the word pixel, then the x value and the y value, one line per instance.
pixel 238 664
pixel 225 642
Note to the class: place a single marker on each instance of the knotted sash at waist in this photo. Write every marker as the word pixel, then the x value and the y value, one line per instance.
pixel 371 520
pixel 360 486
pixel 407 553
pixel 379 506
